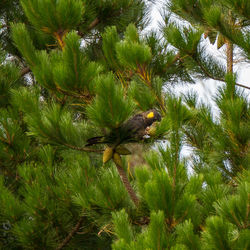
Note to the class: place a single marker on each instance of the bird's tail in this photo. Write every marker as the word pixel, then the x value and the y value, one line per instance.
pixel 94 140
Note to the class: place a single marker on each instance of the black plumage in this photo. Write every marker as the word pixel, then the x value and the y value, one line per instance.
pixel 132 130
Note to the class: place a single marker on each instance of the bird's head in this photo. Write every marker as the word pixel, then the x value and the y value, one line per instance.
pixel 152 116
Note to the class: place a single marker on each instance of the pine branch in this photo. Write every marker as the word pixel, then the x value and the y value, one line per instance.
pixel 175 59
pixel 229 66
pixel 216 78
pixel 146 78
pixel 127 185
pixel 70 235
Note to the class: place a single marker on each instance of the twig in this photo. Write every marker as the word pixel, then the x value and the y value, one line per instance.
pixel 243 86
pixel 86 149
pixel 127 185
pixel 177 57
pixel 24 71
pixel 217 78
pixel 90 27
pixel 93 24
pixel 87 97
pixel 70 235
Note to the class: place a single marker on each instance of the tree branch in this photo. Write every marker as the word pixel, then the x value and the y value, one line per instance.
pixel 93 24
pixel 70 235
pixel 177 57
pixel 243 86
pixel 24 71
pixel 90 27
pixel 216 78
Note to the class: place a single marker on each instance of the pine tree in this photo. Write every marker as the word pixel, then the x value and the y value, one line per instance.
pixel 72 71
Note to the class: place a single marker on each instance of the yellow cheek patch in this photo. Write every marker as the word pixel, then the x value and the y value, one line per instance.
pixel 150 115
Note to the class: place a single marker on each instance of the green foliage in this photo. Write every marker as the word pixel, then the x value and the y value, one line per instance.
pixel 155 200
pixel 234 119
pixel 122 227
pixel 53 16
pixel 142 96
pixel 59 68
pixel 10 209
pixel 110 193
pixel 110 39
pixel 46 198
pixel 190 10
pixel 191 52
pixel 156 235
pixel 74 73
pixel 91 66
pixel 138 54
pixel 130 52
pixel 9 78
pixel 228 151
pixel 187 237
pixel 45 76
pixel 186 41
pixel 227 19
pixel 241 7
pixel 215 190
pixel 235 207
pixel 153 238
pixel 24 43
pixel 14 144
pixel 111 107
pixel 51 123
pixel 217 234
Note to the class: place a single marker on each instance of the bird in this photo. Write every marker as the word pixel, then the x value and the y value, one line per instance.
pixel 133 130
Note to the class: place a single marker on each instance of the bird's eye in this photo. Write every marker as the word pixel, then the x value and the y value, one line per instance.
pixel 150 115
